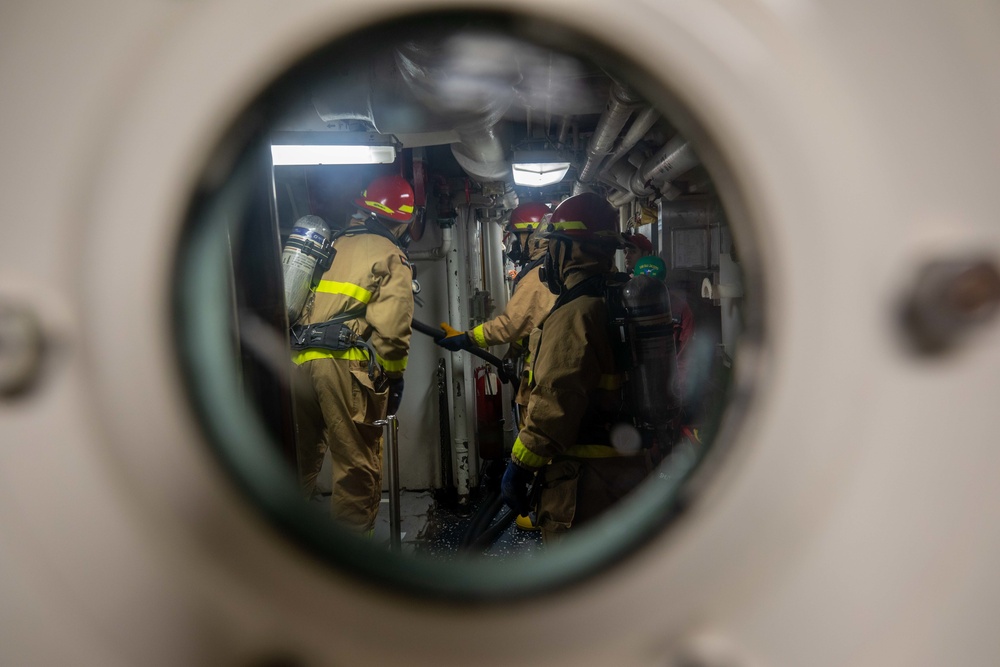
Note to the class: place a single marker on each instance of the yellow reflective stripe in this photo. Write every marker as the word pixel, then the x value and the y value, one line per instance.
pixel 347 289
pixel 479 336
pixel 593 452
pixel 569 224
pixel 380 206
pixel 406 208
pixel 353 354
pixel 611 382
pixel 392 364
pixel 525 225
pixel 524 455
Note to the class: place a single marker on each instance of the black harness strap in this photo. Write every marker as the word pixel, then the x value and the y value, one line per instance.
pixel 525 270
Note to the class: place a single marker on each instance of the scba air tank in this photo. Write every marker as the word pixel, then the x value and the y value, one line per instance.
pixel 308 243
pixel 652 389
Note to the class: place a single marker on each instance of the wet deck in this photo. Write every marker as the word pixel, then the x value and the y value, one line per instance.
pixel 435 529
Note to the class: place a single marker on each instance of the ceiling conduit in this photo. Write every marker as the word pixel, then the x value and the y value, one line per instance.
pixel 639 128
pixel 675 158
pixel 621 103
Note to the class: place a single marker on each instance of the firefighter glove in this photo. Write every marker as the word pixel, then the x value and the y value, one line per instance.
pixel 454 340
pixel 395 396
pixel 515 487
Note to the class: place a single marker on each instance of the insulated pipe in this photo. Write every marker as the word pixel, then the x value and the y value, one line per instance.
pixel 621 101
pixel 621 198
pixel 435 254
pixel 672 160
pixel 563 131
pixel 639 128
pixel 480 153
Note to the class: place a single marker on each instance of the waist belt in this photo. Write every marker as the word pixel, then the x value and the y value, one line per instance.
pixel 333 340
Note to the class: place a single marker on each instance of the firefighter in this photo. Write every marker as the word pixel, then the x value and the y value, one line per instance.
pixel 367 289
pixel 576 389
pixel 684 328
pixel 637 246
pixel 530 302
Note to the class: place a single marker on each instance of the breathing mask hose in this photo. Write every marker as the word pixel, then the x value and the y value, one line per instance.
pixel 494 361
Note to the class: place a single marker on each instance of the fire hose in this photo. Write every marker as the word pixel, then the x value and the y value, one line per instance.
pixel 503 372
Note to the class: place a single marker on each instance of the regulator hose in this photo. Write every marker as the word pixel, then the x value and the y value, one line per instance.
pixel 436 333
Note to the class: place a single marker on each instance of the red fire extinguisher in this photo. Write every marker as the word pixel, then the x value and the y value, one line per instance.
pixel 489 413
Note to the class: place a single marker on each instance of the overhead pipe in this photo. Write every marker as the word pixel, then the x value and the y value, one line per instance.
pixel 564 127
pixel 639 128
pixel 621 103
pixel 621 197
pixel 673 159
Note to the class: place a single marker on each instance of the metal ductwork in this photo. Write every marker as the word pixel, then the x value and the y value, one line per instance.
pixel 422 88
pixel 621 103
pixel 449 79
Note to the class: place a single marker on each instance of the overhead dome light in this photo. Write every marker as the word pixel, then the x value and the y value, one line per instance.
pixel 539 175
pixel 537 169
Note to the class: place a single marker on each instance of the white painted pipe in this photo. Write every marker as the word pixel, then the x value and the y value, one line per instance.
pixel 497 286
pixel 474 283
pixel 438 253
pixel 459 360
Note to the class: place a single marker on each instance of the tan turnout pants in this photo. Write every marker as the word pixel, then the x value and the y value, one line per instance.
pixel 575 491
pixel 336 406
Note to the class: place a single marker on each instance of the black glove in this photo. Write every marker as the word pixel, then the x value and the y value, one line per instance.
pixel 395 396
pixel 515 487
pixel 454 339
pixel 455 343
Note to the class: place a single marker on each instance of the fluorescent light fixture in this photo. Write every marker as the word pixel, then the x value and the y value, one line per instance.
pixel 282 154
pixel 539 174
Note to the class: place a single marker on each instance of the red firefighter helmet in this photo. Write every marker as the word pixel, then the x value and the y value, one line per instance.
pixel 526 217
pixel 389 197
pixel 586 217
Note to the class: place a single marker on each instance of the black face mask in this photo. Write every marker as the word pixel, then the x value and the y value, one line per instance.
pixel 515 252
pixel 548 273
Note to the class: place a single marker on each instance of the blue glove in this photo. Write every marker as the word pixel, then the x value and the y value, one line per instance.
pixel 515 487
pixel 454 339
